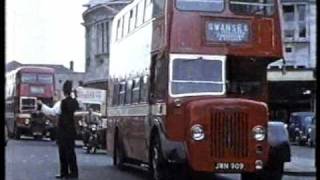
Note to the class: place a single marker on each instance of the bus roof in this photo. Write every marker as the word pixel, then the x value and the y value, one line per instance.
pixel 33 69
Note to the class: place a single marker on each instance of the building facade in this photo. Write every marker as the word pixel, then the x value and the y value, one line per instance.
pixel 61 75
pixel 292 81
pixel 97 22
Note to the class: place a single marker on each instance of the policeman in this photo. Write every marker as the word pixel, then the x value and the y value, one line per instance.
pixel 66 132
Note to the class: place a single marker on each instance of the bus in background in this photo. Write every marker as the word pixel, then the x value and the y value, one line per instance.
pixel 23 87
pixel 91 98
pixel 188 88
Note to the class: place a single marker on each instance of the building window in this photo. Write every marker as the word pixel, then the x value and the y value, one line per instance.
pixel 295 23
pixel 102 37
pixel 302 21
pixel 88 41
pixel 289 51
pixel 288 16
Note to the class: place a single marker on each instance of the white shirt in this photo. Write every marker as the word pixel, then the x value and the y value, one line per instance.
pixel 54 111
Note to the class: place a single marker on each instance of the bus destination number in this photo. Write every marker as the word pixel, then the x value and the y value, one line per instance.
pixel 229 166
pixel 227 31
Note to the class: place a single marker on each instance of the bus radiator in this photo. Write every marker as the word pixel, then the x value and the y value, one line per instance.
pixel 229 134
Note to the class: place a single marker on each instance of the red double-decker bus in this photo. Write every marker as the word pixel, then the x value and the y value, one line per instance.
pixel 188 88
pixel 23 87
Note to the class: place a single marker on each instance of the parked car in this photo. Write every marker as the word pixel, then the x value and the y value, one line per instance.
pixel 298 126
pixel 311 137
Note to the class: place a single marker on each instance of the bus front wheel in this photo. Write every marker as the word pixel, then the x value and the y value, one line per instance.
pixel 159 168
pixel 17 132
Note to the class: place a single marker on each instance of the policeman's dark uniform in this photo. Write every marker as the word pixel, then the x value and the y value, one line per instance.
pixel 66 134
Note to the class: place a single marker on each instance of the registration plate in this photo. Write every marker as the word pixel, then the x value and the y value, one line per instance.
pixel 37 133
pixel 229 166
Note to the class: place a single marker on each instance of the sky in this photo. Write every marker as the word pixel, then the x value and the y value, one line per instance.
pixel 46 32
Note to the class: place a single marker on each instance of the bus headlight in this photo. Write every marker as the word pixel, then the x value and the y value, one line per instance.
pixel 259 133
pixel 197 132
pixel 27 121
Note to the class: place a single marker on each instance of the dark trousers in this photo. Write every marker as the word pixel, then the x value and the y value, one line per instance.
pixel 67 156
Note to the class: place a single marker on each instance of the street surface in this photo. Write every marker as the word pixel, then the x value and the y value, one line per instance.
pixel 28 159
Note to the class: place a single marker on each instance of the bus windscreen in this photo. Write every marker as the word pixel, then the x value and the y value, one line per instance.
pixel 190 76
pixel 252 7
pixel 45 78
pixel 201 5
pixel 37 78
pixel 28 78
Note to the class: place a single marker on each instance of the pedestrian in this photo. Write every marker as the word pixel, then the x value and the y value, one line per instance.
pixel 66 132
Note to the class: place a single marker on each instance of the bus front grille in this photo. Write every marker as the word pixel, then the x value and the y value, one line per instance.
pixel 230 134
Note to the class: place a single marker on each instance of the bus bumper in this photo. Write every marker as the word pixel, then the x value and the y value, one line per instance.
pixel 201 158
pixel 198 158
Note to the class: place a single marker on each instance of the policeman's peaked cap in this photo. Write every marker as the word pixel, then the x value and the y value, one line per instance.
pixel 67 87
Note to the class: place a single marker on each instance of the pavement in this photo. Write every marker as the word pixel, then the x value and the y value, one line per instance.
pixel 300 167
pixel 302 162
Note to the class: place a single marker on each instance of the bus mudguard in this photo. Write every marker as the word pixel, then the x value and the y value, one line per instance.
pixel 173 151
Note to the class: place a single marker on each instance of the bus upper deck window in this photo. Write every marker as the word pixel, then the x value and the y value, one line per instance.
pixel 252 7
pixel 128 98
pixel 45 78
pixel 201 5
pixel 135 90
pixel 122 91
pixel 28 78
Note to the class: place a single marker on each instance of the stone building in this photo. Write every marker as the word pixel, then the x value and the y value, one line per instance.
pixel 292 82
pixel 61 74
pixel 97 22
